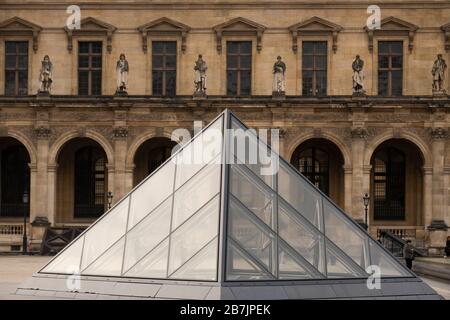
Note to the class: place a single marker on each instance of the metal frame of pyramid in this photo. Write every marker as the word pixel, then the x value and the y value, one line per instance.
pixel 222 230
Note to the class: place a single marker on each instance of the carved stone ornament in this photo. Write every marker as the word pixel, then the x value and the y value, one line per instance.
pixel 439 133
pixel 42 132
pixel 359 133
pixel 120 132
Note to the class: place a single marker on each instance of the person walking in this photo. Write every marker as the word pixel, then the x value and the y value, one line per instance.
pixel 408 254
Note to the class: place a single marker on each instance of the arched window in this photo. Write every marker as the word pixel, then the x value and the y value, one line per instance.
pixel 89 180
pixel 15 182
pixel 158 156
pixel 389 184
pixel 313 163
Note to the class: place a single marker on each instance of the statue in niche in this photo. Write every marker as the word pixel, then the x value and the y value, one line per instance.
pixel 45 76
pixel 438 72
pixel 279 79
pixel 122 75
pixel 358 76
pixel 200 76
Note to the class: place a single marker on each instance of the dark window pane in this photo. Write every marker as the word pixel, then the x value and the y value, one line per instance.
pixel 83 83
pixel 10 47
pixel 397 61
pixel 245 47
pixel 83 61
pixel 383 83
pixel 321 62
pixel 10 83
pixel 321 83
pixel 157 47
pixel 22 47
pixel 232 83
pixel 308 47
pixel 23 83
pixel 383 61
pixel 157 82
pixel 171 62
pixel 23 61
pixel 232 61
pixel 232 47
pixel 10 62
pixel 96 47
pixel 397 79
pixel 307 83
pixel 157 61
pixel 171 83
pixel 171 47
pixel 96 82
pixel 246 62
pixel 321 47
pixel 396 47
pixel 96 61
pixel 308 61
pixel 245 83
pixel 383 47
pixel 83 47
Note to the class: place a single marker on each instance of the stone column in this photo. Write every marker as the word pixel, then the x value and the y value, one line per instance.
pixel 129 171
pixel 51 194
pixel 360 176
pixel 439 135
pixel 427 194
pixel 348 181
pixel 120 152
pixel 41 204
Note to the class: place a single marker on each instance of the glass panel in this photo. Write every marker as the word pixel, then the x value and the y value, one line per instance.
pixel 337 268
pixel 192 236
pixel 321 83
pixel 308 47
pixel 383 84
pixel 96 47
pixel 232 47
pixel 383 47
pixel 96 82
pixel 251 235
pixel 157 61
pixel 397 61
pixel 345 235
pixel 201 151
pixel 171 62
pixel 153 265
pixel 96 61
pixel 157 81
pixel 397 82
pixel 105 232
pixel 321 62
pixel 321 47
pixel 151 193
pixel 245 47
pixel 171 47
pixel 203 266
pixel 307 62
pixel 147 234
pixel 246 83
pixel 10 62
pixel 232 83
pixel 83 61
pixel 23 83
pixel 289 268
pixel 171 83
pixel 109 263
pixel 252 194
pixel 300 195
pixel 157 47
pixel 302 238
pixel 83 83
pixel 68 261
pixel 307 88
pixel 383 61
pixel 195 193
pixel 10 83
pixel 241 267
pixel 83 47
pixel 389 267
pixel 396 47
pixel 10 47
pixel 246 62
pixel 232 61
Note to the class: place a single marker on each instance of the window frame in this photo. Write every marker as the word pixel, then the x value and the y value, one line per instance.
pixel 164 69
pixel 238 69
pixel 389 70
pixel 16 68
pixel 89 69
pixel 314 68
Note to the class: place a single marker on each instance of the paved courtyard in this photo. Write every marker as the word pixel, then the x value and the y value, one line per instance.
pixel 15 269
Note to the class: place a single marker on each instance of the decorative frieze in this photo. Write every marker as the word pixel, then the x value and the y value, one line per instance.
pixel 43 132
pixel 359 133
pixel 439 133
pixel 120 132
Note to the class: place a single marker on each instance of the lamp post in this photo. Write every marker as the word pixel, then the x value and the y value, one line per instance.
pixel 25 199
pixel 110 197
pixel 366 199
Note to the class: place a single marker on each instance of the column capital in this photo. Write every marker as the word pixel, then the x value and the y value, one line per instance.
pixel 367 169
pixel 52 167
pixel 347 169
pixel 427 170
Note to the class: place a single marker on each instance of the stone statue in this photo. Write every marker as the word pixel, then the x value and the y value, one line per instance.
pixel 358 76
pixel 45 76
pixel 200 76
pixel 122 74
pixel 279 80
pixel 438 72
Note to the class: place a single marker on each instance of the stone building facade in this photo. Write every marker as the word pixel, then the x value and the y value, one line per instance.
pixel 62 153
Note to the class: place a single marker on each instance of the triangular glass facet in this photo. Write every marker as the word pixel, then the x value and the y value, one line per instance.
pixel 261 220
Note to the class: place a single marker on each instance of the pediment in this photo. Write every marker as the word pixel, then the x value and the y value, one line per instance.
pixel 90 24
pixel 164 25
pixel 239 24
pixel 395 24
pixel 316 24
pixel 17 24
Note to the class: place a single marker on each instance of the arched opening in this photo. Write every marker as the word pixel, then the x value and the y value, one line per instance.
pixel 15 179
pixel 81 181
pixel 150 155
pixel 396 183
pixel 321 161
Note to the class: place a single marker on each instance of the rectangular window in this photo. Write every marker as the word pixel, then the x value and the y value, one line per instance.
pixel 90 68
pixel 314 68
pixel 239 68
pixel 390 68
pixel 164 68
pixel 16 68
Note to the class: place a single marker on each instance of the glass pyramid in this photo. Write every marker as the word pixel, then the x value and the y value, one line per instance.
pixel 210 214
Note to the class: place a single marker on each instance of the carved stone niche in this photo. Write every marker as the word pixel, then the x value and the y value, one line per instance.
pixel 315 26
pixel 237 27
pixel 164 26
pixel 17 26
pixel 446 29
pixel 91 26
pixel 392 26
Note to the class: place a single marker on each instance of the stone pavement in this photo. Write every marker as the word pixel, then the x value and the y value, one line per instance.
pixel 16 269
